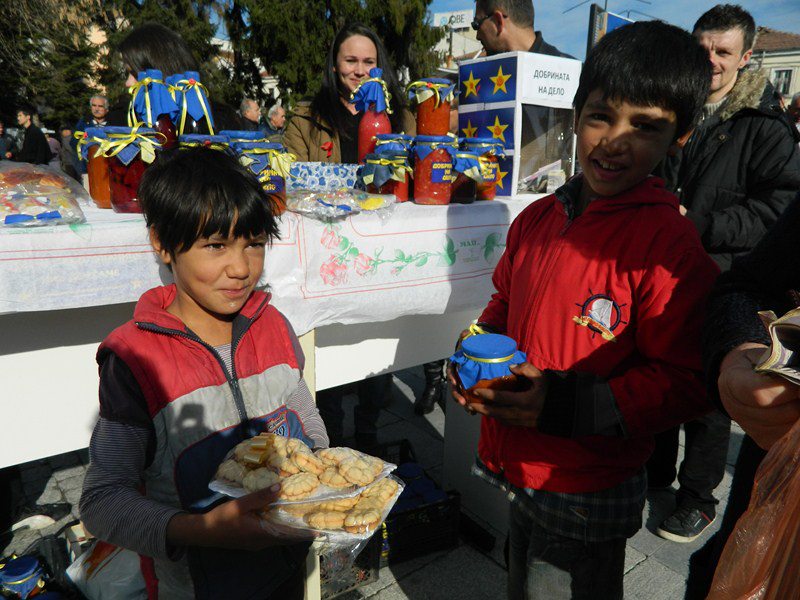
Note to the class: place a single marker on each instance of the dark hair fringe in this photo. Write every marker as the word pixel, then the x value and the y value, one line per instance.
pixel 198 192
pixel 649 63
pixel 729 16
pixel 325 104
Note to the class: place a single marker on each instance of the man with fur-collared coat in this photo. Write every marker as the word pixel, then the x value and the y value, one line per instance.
pixel 737 173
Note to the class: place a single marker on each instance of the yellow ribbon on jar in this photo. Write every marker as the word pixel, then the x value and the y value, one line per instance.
pixel 489 360
pixel 116 142
pixel 134 91
pixel 399 169
pixel 186 85
pixel 83 139
pixel 424 90
pixel 280 162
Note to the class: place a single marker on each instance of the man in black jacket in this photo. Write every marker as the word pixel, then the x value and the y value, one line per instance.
pixel 35 148
pixel 737 173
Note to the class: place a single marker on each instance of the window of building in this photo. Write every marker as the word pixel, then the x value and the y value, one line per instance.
pixel 782 80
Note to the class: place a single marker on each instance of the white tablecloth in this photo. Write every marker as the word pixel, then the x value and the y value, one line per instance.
pixel 366 268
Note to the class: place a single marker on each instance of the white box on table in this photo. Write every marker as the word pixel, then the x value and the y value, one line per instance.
pixel 525 101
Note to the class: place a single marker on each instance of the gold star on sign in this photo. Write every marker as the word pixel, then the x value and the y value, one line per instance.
pixel 500 175
pixel 469 130
pixel 471 86
pixel 497 129
pixel 500 81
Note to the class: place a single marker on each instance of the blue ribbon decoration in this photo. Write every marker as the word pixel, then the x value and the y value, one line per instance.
pixel 393 142
pixel 152 98
pixel 372 91
pixel 381 167
pixel 425 144
pixel 469 164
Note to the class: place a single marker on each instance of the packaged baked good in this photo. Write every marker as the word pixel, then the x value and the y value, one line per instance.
pixel 37 195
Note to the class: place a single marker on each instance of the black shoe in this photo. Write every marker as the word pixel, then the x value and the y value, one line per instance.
pixel 434 388
pixel 685 525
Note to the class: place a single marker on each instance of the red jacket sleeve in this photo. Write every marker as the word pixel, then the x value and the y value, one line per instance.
pixel 664 387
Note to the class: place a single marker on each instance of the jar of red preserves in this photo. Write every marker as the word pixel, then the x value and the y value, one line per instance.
pixel 433 98
pixel 153 105
pixel 387 173
pixel 129 150
pixel 488 149
pixel 433 168
pixel 268 161
pixel 96 165
pixel 468 174
pixel 372 99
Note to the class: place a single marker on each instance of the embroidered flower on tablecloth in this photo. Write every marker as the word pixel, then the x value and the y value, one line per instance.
pixel 333 272
pixel 362 264
pixel 330 239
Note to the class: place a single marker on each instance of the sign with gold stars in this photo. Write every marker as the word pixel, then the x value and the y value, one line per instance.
pixel 524 102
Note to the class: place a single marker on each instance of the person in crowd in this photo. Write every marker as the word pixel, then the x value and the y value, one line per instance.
pixel 507 26
pixel 250 114
pixel 154 46
pixel 35 148
pixel 55 148
pixel 794 110
pixel 276 121
pixel 735 340
pixel 6 143
pixel 98 109
pixel 736 174
pixel 68 158
pixel 326 128
pixel 162 435
pixel 603 286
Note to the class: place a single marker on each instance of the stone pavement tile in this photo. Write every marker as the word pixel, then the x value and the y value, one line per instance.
pixel 73 496
pixel 737 435
pixel 386 416
pixel 632 558
pixel 389 575
pixel 428 445
pixel 658 506
pixel 676 556
pixel 21 541
pixel 68 472
pixel 650 580
pixel 72 483
pixel 50 494
pixel 463 573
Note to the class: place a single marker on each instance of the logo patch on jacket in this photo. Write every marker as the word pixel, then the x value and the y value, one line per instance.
pixel 600 314
pixel 278 425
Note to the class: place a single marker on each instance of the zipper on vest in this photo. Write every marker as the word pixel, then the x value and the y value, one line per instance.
pixel 231 378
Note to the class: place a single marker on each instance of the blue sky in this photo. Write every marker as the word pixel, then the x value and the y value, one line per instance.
pixel 568 31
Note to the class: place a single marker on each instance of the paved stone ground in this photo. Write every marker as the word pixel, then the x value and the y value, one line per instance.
pixel 655 568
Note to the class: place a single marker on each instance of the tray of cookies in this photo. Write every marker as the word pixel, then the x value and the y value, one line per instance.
pixel 341 521
pixel 326 475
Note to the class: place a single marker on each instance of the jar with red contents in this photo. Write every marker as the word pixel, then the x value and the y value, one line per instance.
pixel 387 173
pixel 96 165
pixel 371 99
pixel 433 168
pixel 488 149
pixel 153 105
pixel 468 175
pixel 268 161
pixel 129 150
pixel 433 98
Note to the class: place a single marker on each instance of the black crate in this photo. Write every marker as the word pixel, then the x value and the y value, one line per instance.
pixel 336 579
pixel 422 529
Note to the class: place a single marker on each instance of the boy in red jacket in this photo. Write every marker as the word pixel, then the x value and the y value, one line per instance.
pixel 205 363
pixel 603 285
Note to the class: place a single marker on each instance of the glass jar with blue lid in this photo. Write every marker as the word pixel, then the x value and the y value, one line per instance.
pixel 483 361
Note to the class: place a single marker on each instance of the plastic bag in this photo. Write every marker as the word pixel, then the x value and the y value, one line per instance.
pixel 325 205
pixel 107 572
pixel 35 195
pixel 761 557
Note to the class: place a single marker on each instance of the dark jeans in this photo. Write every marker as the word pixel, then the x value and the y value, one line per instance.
pixel 703 463
pixel 373 394
pixel 704 562
pixel 547 566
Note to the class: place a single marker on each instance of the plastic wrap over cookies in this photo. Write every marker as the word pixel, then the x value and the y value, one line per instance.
pixel 322 176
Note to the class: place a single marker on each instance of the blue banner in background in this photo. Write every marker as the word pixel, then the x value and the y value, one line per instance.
pixel 495 123
pixel 489 81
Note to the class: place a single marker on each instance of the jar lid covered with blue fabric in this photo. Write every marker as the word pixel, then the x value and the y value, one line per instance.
pixel 483 361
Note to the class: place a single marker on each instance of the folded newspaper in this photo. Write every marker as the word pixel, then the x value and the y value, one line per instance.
pixel 784 355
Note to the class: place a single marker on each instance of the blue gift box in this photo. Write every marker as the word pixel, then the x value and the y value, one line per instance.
pixel 322 176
